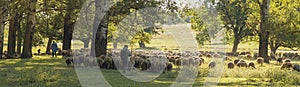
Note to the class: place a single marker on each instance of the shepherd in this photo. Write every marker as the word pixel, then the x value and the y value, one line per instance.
pixel 124 54
pixel 54 49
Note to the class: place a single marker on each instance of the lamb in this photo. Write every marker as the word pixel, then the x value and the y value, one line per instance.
pixel 236 61
pixel 230 65
pixel 279 60
pixel 286 65
pixel 242 64
pixel 260 60
pixel 169 67
pixel 212 64
pixel 69 61
pixel 287 60
pixel 251 64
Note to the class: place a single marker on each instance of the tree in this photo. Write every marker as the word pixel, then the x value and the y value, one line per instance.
pixel 3 15
pixel 234 14
pixel 30 26
pixel 283 22
pixel 16 13
pixel 264 30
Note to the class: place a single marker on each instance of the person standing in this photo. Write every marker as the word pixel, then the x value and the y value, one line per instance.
pixel 54 48
pixel 124 54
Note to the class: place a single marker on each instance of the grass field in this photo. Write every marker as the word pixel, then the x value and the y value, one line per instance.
pixel 52 72
pixel 44 71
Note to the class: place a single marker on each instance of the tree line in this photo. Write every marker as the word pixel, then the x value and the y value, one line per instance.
pixel 273 23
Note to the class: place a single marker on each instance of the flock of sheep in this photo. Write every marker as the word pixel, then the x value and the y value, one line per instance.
pixel 156 61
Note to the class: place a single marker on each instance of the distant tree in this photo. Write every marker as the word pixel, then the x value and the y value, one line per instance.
pixel 284 22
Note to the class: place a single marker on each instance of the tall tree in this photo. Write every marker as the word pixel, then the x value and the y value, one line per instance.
pixel 234 14
pixel 68 26
pixel 264 29
pixel 284 22
pixel 3 15
pixel 16 13
pixel 30 26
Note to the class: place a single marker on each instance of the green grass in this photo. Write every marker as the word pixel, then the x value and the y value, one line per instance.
pixel 43 71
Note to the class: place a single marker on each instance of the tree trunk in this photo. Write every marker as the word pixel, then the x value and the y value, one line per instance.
pixel 68 27
pixel 3 15
pixel 19 41
pixel 264 33
pixel 49 45
pixel 13 27
pixel 99 42
pixel 30 26
pixel 101 37
pixel 235 45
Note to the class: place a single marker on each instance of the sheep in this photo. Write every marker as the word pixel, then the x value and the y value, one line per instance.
pixel 212 64
pixel 249 56
pixel 230 65
pixel 296 67
pixel 191 61
pixel 145 65
pixel 185 62
pixel 169 67
pixel 279 60
pixel 251 64
pixel 197 62
pixel 242 64
pixel 69 61
pixel 287 60
pixel 202 60
pixel 226 58
pixel 260 60
pixel 286 65
pixel 236 61
pixel 178 62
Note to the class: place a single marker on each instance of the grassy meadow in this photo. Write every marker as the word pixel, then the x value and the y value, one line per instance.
pixel 45 71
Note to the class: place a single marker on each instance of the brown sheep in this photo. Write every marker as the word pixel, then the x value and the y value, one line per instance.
pixel 242 64
pixel 191 61
pixel 226 58
pixel 296 67
pixel 212 64
pixel 287 60
pixel 69 61
pixel 252 65
pixel 260 60
pixel 236 61
pixel 286 65
pixel 169 67
pixel 178 62
pixel 185 62
pixel 230 65
pixel 202 60
pixel 279 60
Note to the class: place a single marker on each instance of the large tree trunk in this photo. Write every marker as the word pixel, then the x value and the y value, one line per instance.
pixel 235 45
pixel 264 33
pixel 13 27
pixel 101 37
pixel 30 26
pixel 68 27
pixel 100 26
pixel 19 41
pixel 3 15
pixel 49 45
